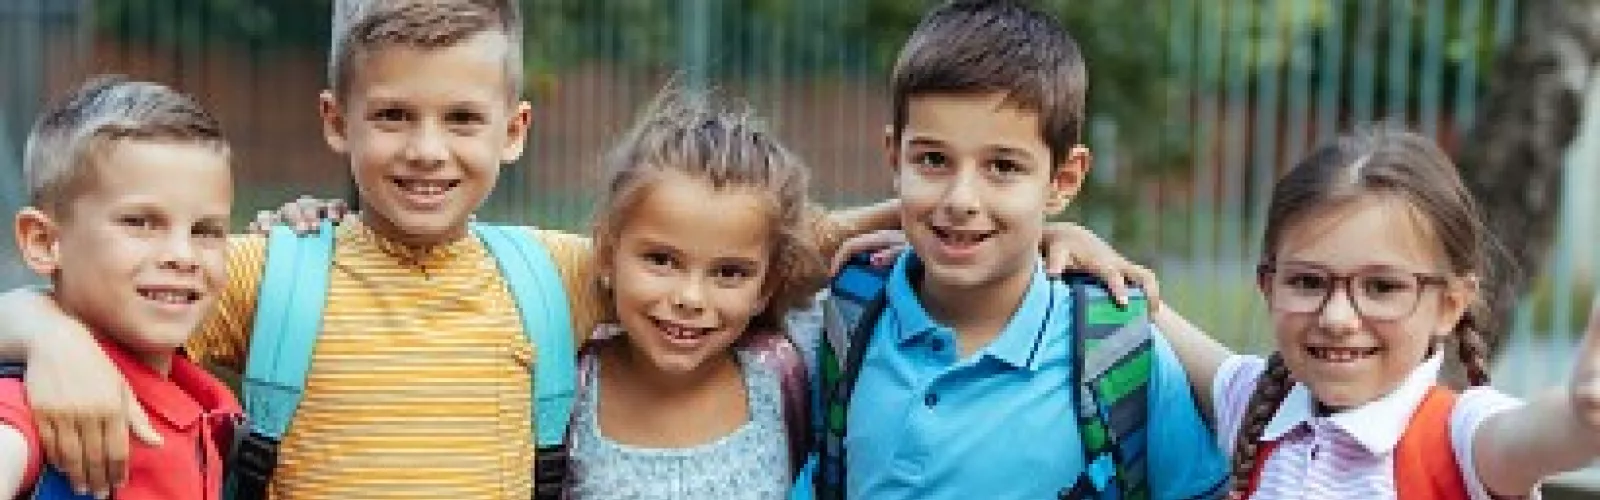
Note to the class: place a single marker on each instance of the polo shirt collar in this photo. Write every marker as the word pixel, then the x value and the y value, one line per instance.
pixel 180 398
pixel 1377 426
pixel 1017 344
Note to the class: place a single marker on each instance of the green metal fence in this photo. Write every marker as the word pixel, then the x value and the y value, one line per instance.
pixel 1196 107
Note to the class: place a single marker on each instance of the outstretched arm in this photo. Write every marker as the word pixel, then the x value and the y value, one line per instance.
pixel 1556 432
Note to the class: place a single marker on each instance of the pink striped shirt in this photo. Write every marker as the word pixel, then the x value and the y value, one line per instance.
pixel 1349 454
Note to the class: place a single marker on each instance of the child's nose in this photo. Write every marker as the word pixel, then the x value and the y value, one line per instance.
pixel 427 145
pixel 1339 313
pixel 179 253
pixel 690 297
pixel 961 197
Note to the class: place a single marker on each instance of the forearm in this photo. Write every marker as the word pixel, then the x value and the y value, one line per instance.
pixel 30 312
pixel 1199 354
pixel 1516 449
pixel 835 226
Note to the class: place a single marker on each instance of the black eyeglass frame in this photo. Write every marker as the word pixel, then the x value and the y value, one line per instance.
pixel 1264 273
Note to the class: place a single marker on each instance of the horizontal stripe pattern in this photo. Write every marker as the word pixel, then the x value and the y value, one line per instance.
pixel 419 386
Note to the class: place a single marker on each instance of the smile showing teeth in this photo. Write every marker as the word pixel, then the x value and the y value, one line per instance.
pixel 1341 354
pixel 426 187
pixel 170 295
pixel 681 333
pixel 961 238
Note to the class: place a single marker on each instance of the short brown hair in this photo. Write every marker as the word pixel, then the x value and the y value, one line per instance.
pixel 979 46
pixel 70 135
pixel 684 131
pixel 361 26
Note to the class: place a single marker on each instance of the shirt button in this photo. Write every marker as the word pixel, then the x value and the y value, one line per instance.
pixel 931 400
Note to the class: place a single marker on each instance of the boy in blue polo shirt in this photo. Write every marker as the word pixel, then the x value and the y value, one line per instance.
pixel 966 385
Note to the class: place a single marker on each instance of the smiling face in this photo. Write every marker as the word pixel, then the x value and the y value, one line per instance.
pixel 140 254
pixel 975 184
pixel 688 268
pixel 1344 358
pixel 426 130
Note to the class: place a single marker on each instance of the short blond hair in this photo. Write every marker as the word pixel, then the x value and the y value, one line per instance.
pixel 361 26
pixel 70 136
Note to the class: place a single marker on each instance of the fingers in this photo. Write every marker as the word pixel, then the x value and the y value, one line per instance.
pixel 886 256
pixel 139 422
pixel 1146 279
pixel 71 462
pixel 96 460
pixel 1116 283
pixel 1057 258
pixel 304 214
pixel 870 242
pixel 115 441
pixel 262 224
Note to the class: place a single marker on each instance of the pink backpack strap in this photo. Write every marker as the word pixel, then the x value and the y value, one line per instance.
pixel 778 352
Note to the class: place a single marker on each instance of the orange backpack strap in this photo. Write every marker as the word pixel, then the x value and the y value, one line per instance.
pixel 1425 461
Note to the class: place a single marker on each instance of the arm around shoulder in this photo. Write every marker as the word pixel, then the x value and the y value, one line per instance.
pixel 32 313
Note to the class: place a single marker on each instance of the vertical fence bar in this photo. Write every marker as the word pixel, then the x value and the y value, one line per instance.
pixel 1467 75
pixel 1365 61
pixel 1397 106
pixel 1432 78
pixel 1331 69
pixel 1203 253
pixel 1298 60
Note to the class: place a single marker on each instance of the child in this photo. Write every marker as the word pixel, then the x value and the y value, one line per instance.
pixel 703 243
pixel 420 383
pixel 138 259
pixel 1371 264
pixel 965 378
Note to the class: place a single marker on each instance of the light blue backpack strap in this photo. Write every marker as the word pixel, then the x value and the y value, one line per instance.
pixel 294 290
pixel 535 283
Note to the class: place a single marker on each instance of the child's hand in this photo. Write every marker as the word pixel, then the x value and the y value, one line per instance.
pixel 1070 246
pixel 1586 376
pixel 884 245
pixel 83 408
pixel 304 215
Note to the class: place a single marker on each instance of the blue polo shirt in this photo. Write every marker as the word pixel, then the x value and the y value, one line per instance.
pixel 925 424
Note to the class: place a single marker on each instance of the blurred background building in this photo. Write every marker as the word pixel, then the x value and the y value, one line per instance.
pixel 1196 106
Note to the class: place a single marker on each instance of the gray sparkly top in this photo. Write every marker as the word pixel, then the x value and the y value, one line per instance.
pixel 751 463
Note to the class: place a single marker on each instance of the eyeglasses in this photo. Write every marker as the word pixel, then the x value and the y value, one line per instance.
pixel 1378 295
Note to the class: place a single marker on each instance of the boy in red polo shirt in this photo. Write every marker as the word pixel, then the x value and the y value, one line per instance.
pixel 129 191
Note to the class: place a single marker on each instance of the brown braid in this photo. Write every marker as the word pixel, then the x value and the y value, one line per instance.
pixel 1473 350
pixel 1271 389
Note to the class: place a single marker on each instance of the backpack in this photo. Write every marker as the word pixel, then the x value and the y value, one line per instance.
pixel 294 290
pixel 1425 465
pixel 773 349
pixel 52 484
pixel 1111 370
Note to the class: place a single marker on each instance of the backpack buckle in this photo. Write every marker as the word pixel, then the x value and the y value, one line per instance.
pixel 250 465
pixel 12 370
pixel 550 472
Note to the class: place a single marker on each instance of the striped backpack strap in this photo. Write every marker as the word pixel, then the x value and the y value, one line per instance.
pixel 1111 371
pixel 289 305
pixel 856 301
pixel 778 352
pixel 1425 464
pixel 535 283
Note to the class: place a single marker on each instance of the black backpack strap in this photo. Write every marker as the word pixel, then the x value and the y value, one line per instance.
pixel 857 300
pixel 12 370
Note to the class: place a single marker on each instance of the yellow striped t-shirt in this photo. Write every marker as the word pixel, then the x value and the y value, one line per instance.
pixel 420 382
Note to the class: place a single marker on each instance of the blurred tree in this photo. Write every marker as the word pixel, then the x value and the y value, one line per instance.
pixel 1513 159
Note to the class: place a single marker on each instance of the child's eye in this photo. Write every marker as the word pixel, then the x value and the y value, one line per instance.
pixel 1007 167
pixel 659 259
pixel 464 118
pixel 731 272
pixel 1382 286
pixel 209 231
pixel 1306 282
pixel 136 221
pixel 929 159
pixel 390 115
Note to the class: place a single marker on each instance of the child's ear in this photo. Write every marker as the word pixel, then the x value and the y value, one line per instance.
pixel 891 155
pixel 1068 178
pixel 517 132
pixel 333 122
pixel 38 239
pixel 1457 299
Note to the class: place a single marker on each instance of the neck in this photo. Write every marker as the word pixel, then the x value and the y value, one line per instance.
pixel 976 313
pixel 161 362
pixel 389 230
pixel 667 385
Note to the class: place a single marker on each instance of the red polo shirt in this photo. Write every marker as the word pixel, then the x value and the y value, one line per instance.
pixel 189 408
